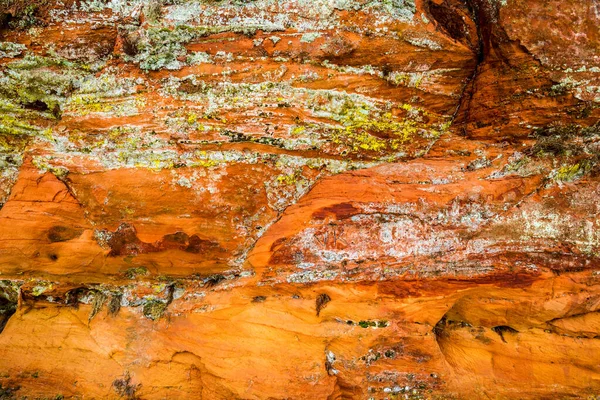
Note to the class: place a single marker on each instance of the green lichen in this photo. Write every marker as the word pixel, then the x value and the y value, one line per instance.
pixel 32 62
pixel 161 47
pixel 406 79
pixel 133 273
pixel 373 324
pixel 154 309
pixel 199 58
pixel 366 324
pixel 38 89
pixel 24 14
pixel 9 298
pixel 10 50
pixel 9 125
pixel 41 288
pixel 43 164
pixel 86 104
pixel 357 124
pixel 33 91
pixel 204 163
pixel 518 164
pixel 570 173
pixel 98 300
pixel 310 37
pixel 153 10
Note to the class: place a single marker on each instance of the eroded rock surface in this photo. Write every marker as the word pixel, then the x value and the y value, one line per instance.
pixel 332 199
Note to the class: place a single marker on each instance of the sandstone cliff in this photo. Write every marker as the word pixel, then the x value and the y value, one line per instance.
pixel 296 199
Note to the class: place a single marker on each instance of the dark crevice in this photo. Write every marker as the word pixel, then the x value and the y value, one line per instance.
pixel 502 329
pixel 170 293
pixel 67 183
pixel 36 105
pixel 259 299
pixel 462 115
pixel 576 315
pixel 451 17
pixel 73 295
pixel 213 280
pixel 97 298
pixel 483 14
pixel 439 328
pixel 9 299
pixel 321 302
pixel 4 21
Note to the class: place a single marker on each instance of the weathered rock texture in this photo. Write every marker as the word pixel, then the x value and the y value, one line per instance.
pixel 299 199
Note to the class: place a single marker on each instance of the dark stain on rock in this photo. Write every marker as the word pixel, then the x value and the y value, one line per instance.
pixel 213 280
pixel 197 245
pixel 176 240
pixel 72 296
pixel 504 279
pixel 420 357
pixel 125 242
pixel 340 211
pixel 63 233
pixel 321 302
pixel 114 304
pixel 130 42
pixel 501 330
pixel 125 388
pixel 189 87
pixel 278 243
pixel 410 288
pixel 259 299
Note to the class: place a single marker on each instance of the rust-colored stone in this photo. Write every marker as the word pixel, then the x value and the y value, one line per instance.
pixel 332 199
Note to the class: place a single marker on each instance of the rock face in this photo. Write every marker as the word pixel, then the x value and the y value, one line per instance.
pixel 326 199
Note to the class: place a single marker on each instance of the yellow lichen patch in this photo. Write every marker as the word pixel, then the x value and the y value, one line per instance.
pixel 204 163
pixel 191 118
pixel 569 173
pixel 297 130
pixel 202 159
pixel 15 126
pixel 370 130
pixel 86 104
pixel 413 80
pixel 289 179
pixel 120 131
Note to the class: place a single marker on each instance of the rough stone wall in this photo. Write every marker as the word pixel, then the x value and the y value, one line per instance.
pixel 294 199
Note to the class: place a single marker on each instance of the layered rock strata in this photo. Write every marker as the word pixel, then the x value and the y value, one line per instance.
pixel 331 199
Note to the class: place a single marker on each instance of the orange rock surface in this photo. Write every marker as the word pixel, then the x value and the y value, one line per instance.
pixel 328 199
